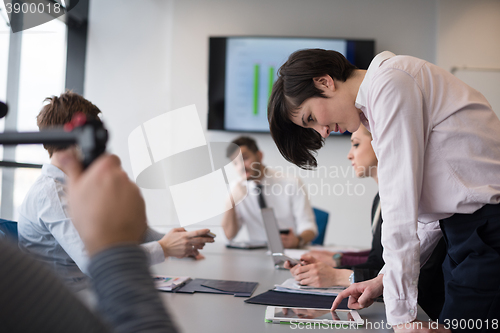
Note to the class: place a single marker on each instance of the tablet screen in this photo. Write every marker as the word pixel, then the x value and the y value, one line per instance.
pixel 296 313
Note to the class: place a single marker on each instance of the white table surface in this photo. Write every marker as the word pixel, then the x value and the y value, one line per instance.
pixel 208 313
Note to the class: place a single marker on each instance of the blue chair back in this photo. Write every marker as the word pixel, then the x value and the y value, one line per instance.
pixel 321 222
pixel 8 229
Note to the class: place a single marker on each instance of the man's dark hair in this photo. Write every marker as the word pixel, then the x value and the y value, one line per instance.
pixel 60 110
pixel 242 141
pixel 295 85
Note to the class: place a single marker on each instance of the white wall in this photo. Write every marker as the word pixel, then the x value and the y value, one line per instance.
pixel 468 34
pixel 128 73
pixel 469 39
pixel 147 59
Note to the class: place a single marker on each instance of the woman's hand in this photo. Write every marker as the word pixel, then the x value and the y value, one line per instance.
pixel 361 295
pixel 318 274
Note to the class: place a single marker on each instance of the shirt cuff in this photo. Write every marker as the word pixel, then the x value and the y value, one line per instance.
pixel 152 235
pixel 154 252
pixel 400 311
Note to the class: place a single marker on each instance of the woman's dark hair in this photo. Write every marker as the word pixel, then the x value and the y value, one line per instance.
pixel 294 85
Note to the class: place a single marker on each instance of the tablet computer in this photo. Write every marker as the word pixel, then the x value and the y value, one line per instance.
pixel 338 317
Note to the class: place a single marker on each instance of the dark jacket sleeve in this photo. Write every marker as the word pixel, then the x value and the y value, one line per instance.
pixel 374 263
pixel 127 297
pixel 32 299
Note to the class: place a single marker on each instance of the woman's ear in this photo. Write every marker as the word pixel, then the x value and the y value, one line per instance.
pixel 324 82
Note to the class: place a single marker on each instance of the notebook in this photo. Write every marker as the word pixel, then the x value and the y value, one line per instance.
pixel 278 298
pixel 236 288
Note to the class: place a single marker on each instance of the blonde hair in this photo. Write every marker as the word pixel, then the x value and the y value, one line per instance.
pixel 365 130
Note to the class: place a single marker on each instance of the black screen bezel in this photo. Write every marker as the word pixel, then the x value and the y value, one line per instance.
pixel 362 54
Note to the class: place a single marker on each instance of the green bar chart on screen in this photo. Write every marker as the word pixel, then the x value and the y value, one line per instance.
pixel 256 70
pixel 271 81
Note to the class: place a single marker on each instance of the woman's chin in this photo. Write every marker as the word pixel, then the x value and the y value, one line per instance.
pixel 360 174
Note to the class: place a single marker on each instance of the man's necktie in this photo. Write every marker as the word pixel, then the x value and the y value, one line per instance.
pixel 262 202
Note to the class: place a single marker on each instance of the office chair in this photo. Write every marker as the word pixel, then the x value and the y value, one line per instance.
pixel 8 229
pixel 321 221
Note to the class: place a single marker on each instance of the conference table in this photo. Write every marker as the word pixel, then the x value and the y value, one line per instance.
pixel 201 312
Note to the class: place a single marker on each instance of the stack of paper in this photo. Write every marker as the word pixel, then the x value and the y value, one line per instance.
pixel 291 286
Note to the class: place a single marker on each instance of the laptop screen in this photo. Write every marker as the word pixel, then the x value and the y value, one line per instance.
pixel 273 235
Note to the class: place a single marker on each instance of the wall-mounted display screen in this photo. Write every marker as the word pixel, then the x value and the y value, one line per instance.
pixel 242 71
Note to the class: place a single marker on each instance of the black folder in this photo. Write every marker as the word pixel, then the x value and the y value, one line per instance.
pixel 236 288
pixel 295 300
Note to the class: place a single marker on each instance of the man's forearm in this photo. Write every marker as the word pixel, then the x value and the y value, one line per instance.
pixel 307 236
pixel 230 224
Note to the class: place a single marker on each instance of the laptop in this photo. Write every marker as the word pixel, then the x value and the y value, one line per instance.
pixel 274 239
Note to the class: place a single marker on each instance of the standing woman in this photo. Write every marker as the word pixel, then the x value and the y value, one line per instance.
pixel 321 268
pixel 438 146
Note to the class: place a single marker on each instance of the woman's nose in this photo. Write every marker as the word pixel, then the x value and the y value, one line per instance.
pixel 324 131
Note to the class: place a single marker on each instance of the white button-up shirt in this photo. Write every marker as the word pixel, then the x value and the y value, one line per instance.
pixel 46 231
pixel 288 198
pixel 438 146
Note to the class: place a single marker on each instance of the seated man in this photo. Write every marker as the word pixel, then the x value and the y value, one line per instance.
pixel 45 227
pixel 267 189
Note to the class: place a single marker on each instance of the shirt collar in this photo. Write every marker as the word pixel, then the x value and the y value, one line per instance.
pixel 365 85
pixel 269 175
pixel 52 171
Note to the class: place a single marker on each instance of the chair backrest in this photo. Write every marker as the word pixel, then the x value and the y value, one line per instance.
pixel 321 222
pixel 9 229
